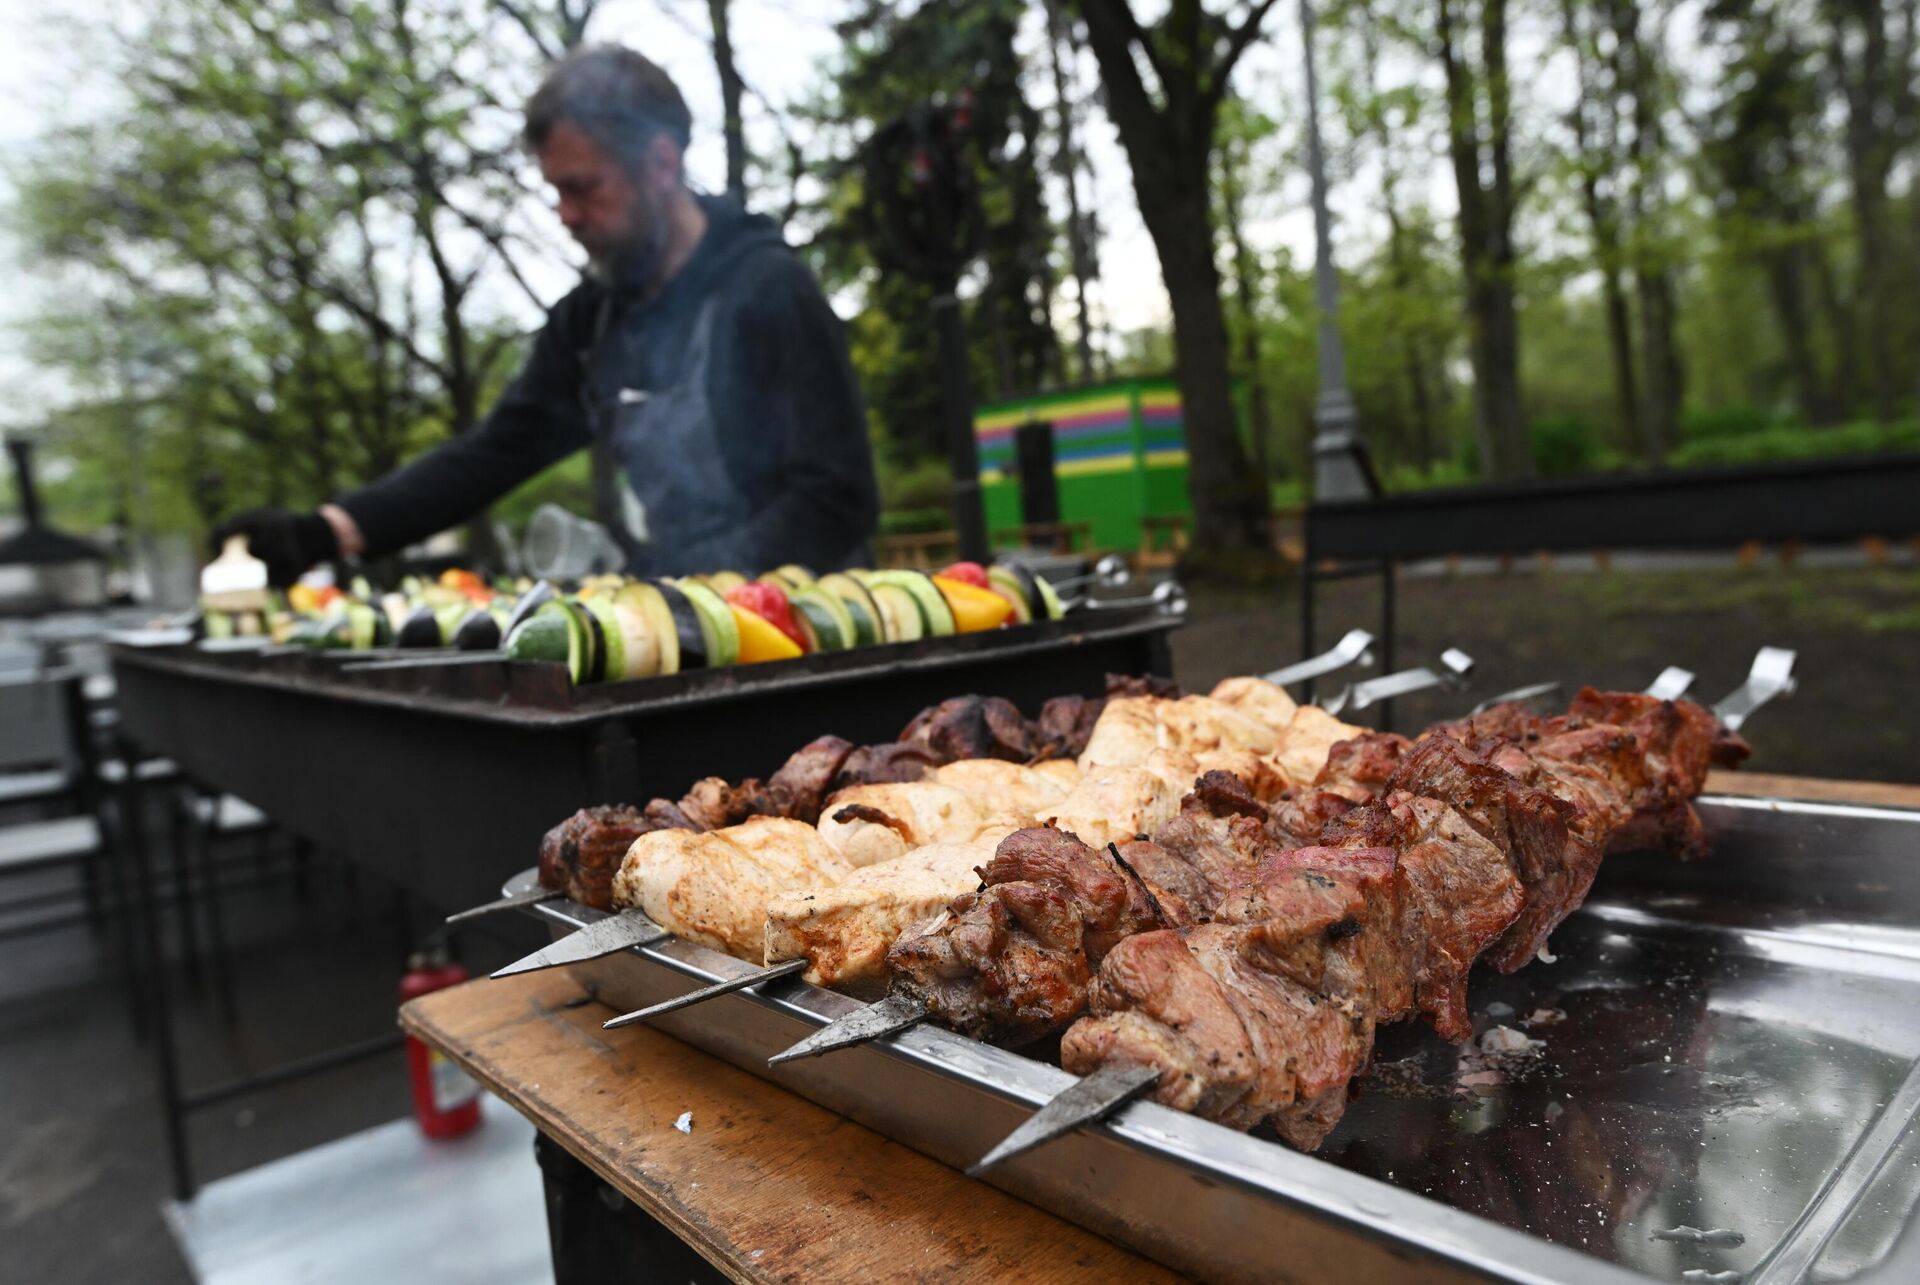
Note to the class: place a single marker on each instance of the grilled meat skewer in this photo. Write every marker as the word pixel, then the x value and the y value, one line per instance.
pixel 1266 1013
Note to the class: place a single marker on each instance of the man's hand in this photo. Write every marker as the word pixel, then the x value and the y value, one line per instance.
pixel 289 543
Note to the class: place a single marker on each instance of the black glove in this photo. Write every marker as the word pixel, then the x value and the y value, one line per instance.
pixel 289 543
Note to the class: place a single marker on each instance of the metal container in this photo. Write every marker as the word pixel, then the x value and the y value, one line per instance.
pixel 443 769
pixel 1725 1089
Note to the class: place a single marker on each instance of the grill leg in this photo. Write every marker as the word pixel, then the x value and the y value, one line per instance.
pixel 219 958
pixel 112 810
pixel 183 821
pixel 1387 665
pixel 1307 587
pixel 153 966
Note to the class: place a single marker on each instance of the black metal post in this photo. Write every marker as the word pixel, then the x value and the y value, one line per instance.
pixel 1307 588
pixel 219 960
pixel 1387 665
pixel 180 820
pixel 133 828
pixel 956 403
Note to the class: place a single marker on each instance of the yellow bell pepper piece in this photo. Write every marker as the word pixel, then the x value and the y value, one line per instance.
pixel 760 639
pixel 974 608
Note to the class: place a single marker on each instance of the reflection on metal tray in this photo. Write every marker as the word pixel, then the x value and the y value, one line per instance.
pixel 1725 1083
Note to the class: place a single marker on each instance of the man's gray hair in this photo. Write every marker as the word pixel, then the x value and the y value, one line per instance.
pixel 617 98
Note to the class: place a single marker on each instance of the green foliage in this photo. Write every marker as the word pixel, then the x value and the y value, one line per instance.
pixel 272 252
pixel 1797 442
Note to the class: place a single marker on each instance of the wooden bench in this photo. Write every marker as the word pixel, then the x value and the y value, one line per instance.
pixel 1054 537
pixel 1163 538
pixel 917 551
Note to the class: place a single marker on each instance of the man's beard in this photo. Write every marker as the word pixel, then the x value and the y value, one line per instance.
pixel 633 264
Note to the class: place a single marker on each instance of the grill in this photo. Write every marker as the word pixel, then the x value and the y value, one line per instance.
pixel 1728 1082
pixel 445 769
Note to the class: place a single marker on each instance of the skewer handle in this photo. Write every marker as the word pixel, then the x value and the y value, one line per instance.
pixel 1771 676
pixel 1355 647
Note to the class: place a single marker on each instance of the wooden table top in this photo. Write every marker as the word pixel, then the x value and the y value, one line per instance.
pixel 766 1185
pixel 1879 794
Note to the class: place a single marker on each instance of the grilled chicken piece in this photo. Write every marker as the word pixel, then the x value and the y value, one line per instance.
pixel 869 824
pixel 1131 728
pixel 1258 699
pixel 846 929
pixel 1307 741
pixel 1006 794
pixel 1065 771
pixel 713 887
pixel 1112 804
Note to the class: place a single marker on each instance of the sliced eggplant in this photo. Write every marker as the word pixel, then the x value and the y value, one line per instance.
pixel 480 631
pixel 689 627
pixel 722 630
pixel 421 628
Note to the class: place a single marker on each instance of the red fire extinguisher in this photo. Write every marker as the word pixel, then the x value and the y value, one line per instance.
pixel 445 1100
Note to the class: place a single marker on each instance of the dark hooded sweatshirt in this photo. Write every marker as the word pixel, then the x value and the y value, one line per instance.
pixel 728 401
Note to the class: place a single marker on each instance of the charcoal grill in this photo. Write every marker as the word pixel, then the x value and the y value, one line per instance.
pixel 1727 1089
pixel 444 769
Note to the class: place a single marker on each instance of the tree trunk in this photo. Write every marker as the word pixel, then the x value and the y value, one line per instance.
pixel 1603 223
pixel 730 90
pixel 1786 285
pixel 1486 249
pixel 1653 281
pixel 1230 507
pixel 1245 292
pixel 1169 150
pixel 1660 360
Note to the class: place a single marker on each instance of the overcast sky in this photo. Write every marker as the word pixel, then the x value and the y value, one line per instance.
pixel 781 45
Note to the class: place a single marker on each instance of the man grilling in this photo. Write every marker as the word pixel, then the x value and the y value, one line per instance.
pixel 697 356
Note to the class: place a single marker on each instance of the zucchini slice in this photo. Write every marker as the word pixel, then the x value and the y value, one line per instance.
pixel 723 631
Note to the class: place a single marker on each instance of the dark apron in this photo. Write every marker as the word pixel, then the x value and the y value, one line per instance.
pixel 663 442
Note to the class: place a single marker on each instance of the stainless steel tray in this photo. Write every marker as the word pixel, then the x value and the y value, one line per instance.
pixel 1731 1093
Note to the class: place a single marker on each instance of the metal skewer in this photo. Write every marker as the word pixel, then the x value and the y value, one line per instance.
pixel 1671 685
pixel 786 968
pixel 1518 694
pixel 1110 572
pixel 1167 595
pixel 602 937
pixel 1093 1099
pixel 1770 676
pixel 884 1017
pixel 1455 665
pixel 1355 647
pixel 512 901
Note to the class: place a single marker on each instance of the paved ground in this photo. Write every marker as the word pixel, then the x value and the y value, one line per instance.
pixel 81 1165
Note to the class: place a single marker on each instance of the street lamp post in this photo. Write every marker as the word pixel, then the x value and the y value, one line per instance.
pixel 1341 468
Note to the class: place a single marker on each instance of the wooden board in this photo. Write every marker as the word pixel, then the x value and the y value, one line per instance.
pixel 765 1185
pixel 1877 794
